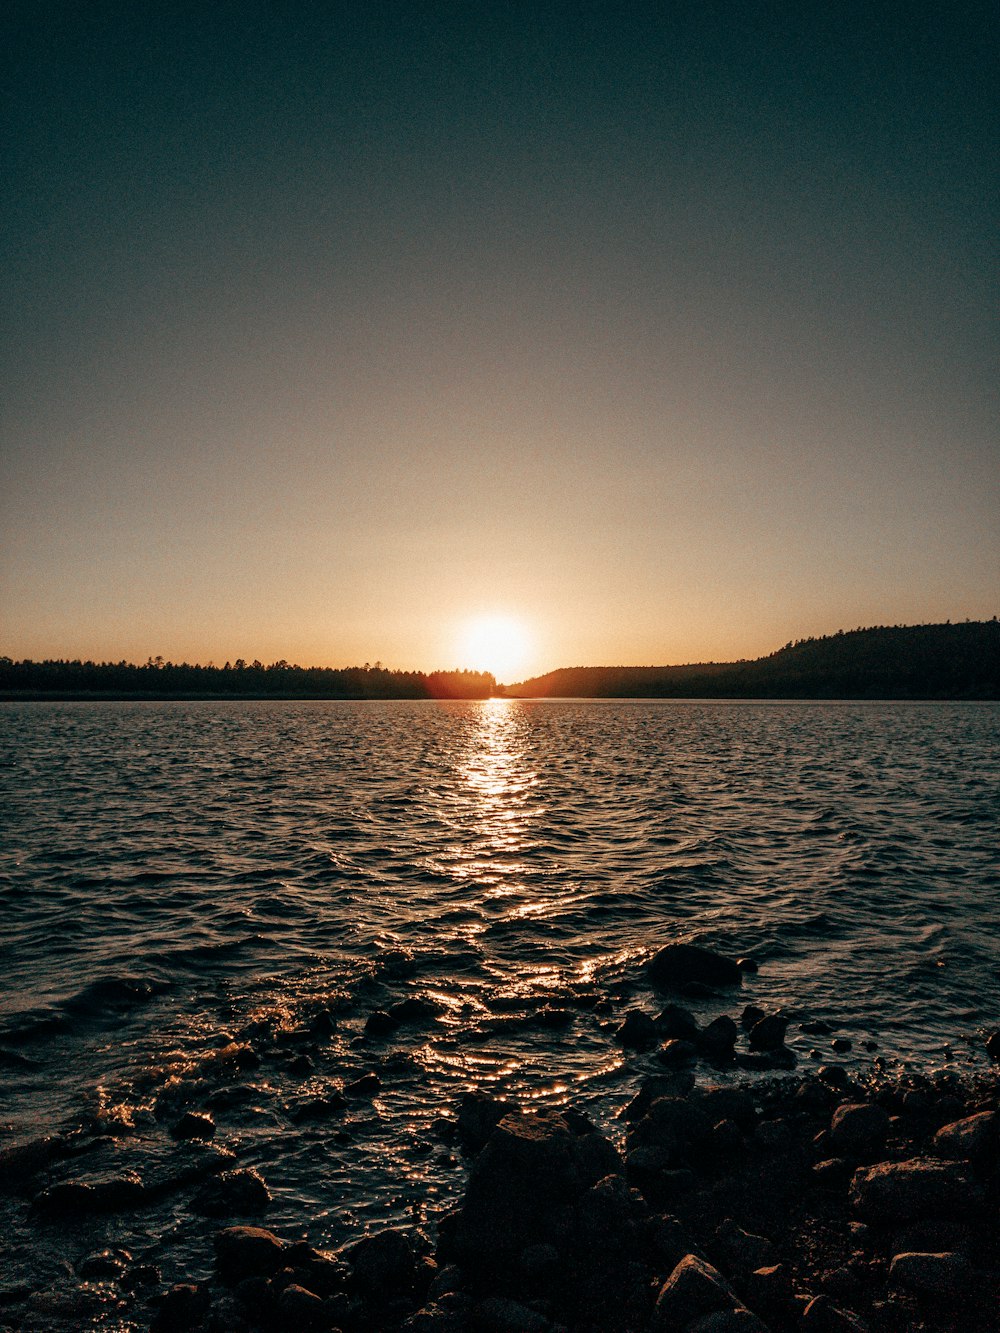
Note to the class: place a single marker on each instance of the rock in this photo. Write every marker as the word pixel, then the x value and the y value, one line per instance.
pixel 24 1160
pixel 737 1320
pixel 384 1266
pixel 718 1038
pixel 99 1195
pixel 103 1265
pixel 944 1274
pixel 921 1187
pixel 841 1044
pixel 747 965
pixel 674 1021
pixel 678 965
pixel 832 1173
pixel 992 1045
pixel 365 1086
pixel 728 1104
pixel 478 1116
pixel 526 1180
pixel 676 1052
pixel 182 1309
pixel 193 1125
pixel 751 1015
pixel 674 1123
pixel 301 1308
pixel 823 1316
pixel 499 1314
pixel 414 1009
pixel 974 1138
pixel 770 1287
pixel 769 1033
pixel 300 1066
pixel 859 1130
pixel 741 1250
pixel 316 1270
pixel 637 1030
pixel 380 1024
pixel 242 1252
pixel 232 1192
pixel 693 1289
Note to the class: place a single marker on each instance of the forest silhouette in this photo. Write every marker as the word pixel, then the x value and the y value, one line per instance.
pixel 960 661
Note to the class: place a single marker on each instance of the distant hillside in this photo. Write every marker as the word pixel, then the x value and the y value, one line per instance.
pixel 885 662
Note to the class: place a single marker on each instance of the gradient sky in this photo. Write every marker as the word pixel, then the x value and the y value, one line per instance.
pixel 668 329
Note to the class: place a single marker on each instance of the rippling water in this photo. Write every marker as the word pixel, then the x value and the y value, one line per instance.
pixel 174 873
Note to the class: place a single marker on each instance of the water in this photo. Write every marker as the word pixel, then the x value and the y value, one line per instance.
pixel 176 875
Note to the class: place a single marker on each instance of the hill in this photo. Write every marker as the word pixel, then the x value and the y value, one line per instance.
pixel 960 661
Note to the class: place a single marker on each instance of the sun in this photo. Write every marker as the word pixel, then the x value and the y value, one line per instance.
pixel 495 643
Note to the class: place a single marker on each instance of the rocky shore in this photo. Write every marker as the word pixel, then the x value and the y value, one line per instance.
pixel 734 1193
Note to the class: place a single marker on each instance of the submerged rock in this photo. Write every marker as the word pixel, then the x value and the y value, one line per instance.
pixel 232 1192
pixel 676 966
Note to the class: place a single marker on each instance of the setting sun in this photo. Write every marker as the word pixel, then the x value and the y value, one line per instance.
pixel 495 643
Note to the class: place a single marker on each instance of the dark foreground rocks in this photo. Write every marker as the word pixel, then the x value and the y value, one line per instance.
pixel 790 1206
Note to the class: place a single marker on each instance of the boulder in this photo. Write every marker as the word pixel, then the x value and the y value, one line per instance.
pixel 692 1290
pixel 718 1038
pixel 676 1052
pixel 992 1045
pixel 385 1266
pixel 242 1252
pixel 742 1251
pixel 974 1138
pixel 768 1033
pixel 182 1309
pixel 946 1274
pixel 859 1130
pixel 193 1125
pixel 674 1021
pixel 478 1117
pixel 637 1030
pixel 524 1185
pixel 678 965
pixel 233 1193
pixel 922 1187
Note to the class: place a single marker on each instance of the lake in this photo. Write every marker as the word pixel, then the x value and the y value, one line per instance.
pixel 176 877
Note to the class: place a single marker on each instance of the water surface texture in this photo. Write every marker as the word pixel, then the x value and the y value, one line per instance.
pixel 177 875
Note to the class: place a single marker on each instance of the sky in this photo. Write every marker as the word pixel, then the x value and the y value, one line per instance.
pixel 664 331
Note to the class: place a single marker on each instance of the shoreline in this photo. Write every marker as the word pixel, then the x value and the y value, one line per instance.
pixel 794 1201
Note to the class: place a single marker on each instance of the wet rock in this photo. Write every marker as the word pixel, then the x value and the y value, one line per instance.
pixel 193 1125
pixel 79 1197
pixel 318 1108
pixel 718 1038
pixel 380 1024
pixel 834 1076
pixel 320 1272
pixel 637 1030
pixel 841 1044
pixel 103 1265
pixel 300 1066
pixel 242 1252
pixel 233 1193
pixel 677 1083
pixel 726 1140
pixel 751 1015
pixel 774 1135
pixel 922 1187
pixel 182 1309
pixel 414 1009
pixel 768 1034
pixel 946 1274
pixel 674 1021
pixel 974 1138
pixel 693 1289
pixel 674 1123
pixel 859 1130
pixel 365 1086
pixel 23 1160
pixel 478 1117
pixel 992 1045
pixel 747 965
pixel 676 1052
pixel 770 1287
pixel 678 965
pixel 386 1267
